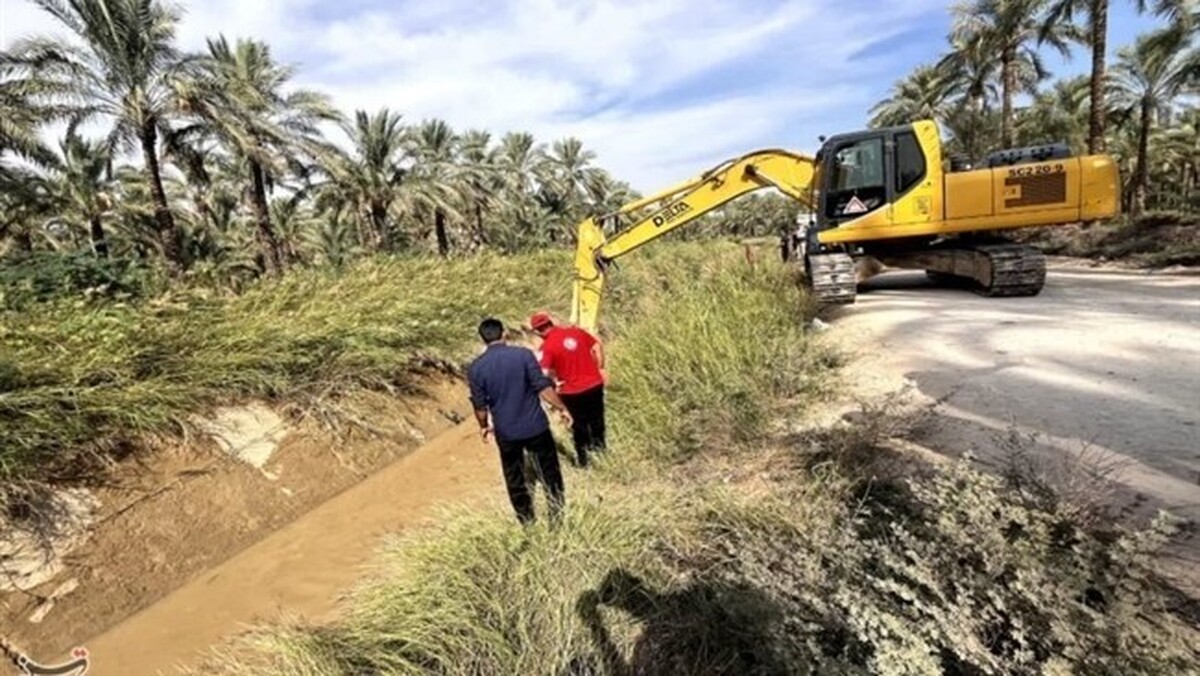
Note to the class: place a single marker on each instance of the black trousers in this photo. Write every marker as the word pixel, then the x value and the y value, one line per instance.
pixel 587 410
pixel 545 457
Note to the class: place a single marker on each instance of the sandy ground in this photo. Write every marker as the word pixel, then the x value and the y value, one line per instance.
pixel 1103 363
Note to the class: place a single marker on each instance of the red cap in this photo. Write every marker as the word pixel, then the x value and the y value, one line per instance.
pixel 540 319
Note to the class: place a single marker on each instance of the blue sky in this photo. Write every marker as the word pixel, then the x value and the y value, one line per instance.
pixel 659 89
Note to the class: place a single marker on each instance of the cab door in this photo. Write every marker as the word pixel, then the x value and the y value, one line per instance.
pixel 855 179
pixel 913 191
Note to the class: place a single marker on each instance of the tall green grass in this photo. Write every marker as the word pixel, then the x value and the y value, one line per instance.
pixel 708 347
pixel 608 590
pixel 808 568
pixel 479 596
pixel 77 375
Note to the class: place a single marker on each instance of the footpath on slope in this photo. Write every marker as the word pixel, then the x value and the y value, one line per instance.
pixel 302 568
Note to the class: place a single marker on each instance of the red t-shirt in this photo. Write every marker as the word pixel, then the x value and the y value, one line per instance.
pixel 567 351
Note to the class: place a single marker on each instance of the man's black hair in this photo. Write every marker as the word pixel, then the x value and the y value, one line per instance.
pixel 491 330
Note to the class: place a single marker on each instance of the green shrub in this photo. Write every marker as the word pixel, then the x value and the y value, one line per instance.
pixel 962 576
pixel 50 275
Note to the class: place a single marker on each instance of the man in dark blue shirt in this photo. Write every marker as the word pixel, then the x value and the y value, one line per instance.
pixel 507 382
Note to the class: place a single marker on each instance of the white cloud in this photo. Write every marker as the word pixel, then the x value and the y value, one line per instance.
pixel 661 89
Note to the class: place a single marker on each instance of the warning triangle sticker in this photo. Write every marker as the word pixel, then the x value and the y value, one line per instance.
pixel 854 206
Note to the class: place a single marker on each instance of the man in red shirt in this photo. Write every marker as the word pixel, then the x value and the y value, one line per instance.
pixel 575 358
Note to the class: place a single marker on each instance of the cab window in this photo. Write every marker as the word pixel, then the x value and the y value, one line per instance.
pixel 910 162
pixel 857 182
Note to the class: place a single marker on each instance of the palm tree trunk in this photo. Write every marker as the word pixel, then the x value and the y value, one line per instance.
pixel 99 240
pixel 360 228
pixel 1099 50
pixel 443 238
pixel 23 241
pixel 200 204
pixel 479 231
pixel 272 251
pixel 168 236
pixel 1141 172
pixel 1189 182
pixel 379 225
pixel 1008 74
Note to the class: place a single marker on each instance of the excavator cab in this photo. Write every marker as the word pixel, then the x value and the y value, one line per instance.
pixel 861 173
pixel 855 178
pixel 885 194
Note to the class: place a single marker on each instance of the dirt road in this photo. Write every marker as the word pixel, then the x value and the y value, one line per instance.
pixel 1102 359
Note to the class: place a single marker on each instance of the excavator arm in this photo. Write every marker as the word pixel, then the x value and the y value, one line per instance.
pixel 674 208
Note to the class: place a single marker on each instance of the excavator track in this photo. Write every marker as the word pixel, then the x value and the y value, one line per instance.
pixel 1011 270
pixel 832 279
pixel 990 269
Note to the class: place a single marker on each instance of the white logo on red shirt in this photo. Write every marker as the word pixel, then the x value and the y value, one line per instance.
pixel 570 343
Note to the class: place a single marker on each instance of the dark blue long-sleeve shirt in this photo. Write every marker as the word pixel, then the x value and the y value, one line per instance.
pixel 507 380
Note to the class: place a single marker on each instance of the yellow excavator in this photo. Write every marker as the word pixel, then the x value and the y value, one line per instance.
pixel 883 194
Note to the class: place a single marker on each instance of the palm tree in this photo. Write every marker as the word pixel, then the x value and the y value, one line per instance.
pixel 1148 77
pixel 1062 12
pixel 923 94
pixel 295 223
pixel 23 112
pixel 368 180
pixel 1061 113
pixel 520 157
pixel 335 241
pixel 567 182
pixel 202 167
pixel 80 188
pixel 24 197
pixel 970 71
pixel 238 96
pixel 123 69
pixel 571 168
pixel 24 202
pixel 1181 151
pixel 1010 29
pixel 608 194
pixel 436 180
pixel 478 159
pixel 520 164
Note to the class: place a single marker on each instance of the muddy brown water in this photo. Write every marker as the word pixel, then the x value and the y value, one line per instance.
pixel 191 545
pixel 304 566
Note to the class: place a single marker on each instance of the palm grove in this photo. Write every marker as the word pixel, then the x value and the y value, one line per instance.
pixel 232 174
pixel 1140 108
pixel 213 165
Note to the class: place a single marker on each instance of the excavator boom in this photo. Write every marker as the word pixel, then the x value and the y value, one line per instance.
pixel 790 173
